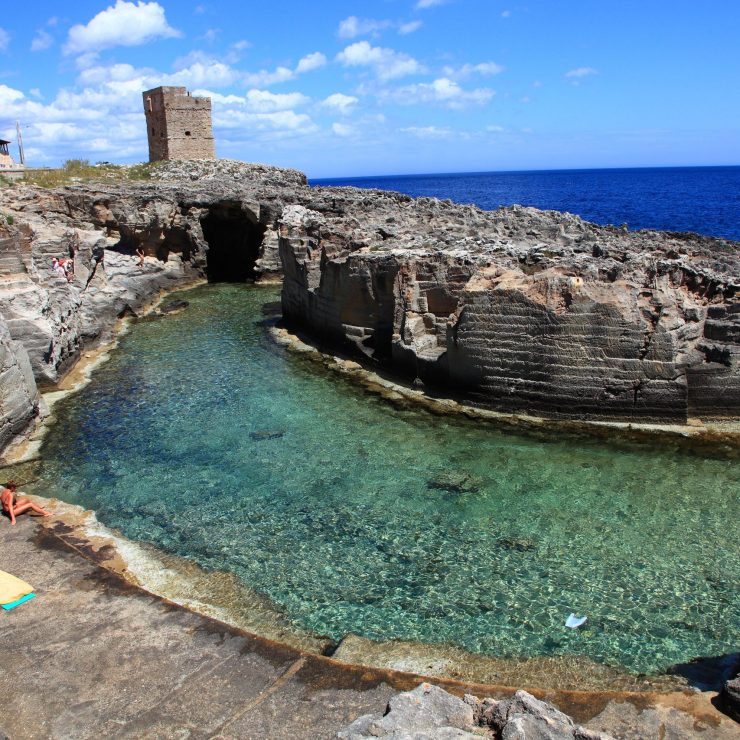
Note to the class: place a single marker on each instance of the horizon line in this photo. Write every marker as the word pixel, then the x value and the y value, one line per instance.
pixel 528 171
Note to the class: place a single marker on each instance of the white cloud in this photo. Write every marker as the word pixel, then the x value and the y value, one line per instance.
pixel 443 91
pixel 9 95
pixel 340 102
pixel 342 129
pixel 506 14
pixel 122 24
pixel 428 132
pixel 485 69
pixel 495 129
pixel 263 101
pixel 265 78
pixel 353 26
pixel 42 41
pixel 406 28
pixel 4 39
pixel 241 45
pixel 387 63
pixel 422 4
pixel 36 93
pixel 581 72
pixel 278 125
pixel 310 62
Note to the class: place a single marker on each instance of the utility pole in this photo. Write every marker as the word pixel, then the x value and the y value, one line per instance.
pixel 20 143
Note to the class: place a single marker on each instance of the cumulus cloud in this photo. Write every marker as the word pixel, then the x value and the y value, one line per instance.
pixel 442 91
pixel 353 26
pixel 42 41
pixel 263 101
pixel 122 24
pixel 9 95
pixel 340 102
pixel 270 126
pixel 265 78
pixel 387 63
pixel 422 4
pixel 4 39
pixel 407 28
pixel 579 72
pixel 310 62
pixel 428 132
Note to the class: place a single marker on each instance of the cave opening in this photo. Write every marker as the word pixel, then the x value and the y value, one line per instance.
pixel 234 243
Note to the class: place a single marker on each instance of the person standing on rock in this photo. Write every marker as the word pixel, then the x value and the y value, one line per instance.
pixel 140 255
pixel 14 507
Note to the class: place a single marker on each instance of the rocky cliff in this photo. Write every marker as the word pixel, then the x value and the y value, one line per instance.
pixel 516 309
pixel 519 309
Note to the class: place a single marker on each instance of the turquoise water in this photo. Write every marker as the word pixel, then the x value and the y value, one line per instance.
pixel 202 437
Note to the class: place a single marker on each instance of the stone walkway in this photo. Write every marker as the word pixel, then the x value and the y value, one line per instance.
pixel 93 656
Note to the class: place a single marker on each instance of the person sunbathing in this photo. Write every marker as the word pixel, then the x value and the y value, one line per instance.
pixel 14 507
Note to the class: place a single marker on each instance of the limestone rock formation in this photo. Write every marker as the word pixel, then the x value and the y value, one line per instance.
pixel 519 309
pixel 729 698
pixel 430 713
pixel 516 309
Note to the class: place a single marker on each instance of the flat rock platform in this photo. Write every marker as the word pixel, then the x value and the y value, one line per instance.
pixel 93 656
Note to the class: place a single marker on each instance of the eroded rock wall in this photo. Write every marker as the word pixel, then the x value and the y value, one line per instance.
pixel 515 309
pixel 50 320
pixel 19 397
pixel 522 310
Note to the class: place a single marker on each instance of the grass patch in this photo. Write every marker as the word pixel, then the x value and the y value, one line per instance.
pixel 80 170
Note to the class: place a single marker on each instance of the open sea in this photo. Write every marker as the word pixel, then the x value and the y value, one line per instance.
pixel 705 200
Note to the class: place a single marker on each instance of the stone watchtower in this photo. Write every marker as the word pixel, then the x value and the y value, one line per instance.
pixel 178 125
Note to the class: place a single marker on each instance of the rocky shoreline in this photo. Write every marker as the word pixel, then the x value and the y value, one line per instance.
pixel 520 314
pixel 516 310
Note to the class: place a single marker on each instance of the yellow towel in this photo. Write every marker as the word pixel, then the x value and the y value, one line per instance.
pixel 12 588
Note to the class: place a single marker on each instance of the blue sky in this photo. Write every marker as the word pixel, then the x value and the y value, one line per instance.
pixel 384 86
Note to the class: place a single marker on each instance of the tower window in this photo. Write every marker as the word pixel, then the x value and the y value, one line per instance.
pixel 187 133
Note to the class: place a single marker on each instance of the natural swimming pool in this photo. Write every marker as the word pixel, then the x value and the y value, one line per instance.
pixel 203 438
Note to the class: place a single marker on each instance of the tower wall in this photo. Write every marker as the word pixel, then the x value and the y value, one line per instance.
pixel 178 125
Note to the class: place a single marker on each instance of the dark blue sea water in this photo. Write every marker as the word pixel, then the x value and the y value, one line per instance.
pixel 705 200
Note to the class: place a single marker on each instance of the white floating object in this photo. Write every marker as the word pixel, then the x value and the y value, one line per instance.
pixel 574 622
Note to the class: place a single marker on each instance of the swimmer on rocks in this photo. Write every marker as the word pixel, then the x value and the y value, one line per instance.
pixel 14 507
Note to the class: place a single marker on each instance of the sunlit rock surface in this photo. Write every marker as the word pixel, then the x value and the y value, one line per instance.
pixel 516 309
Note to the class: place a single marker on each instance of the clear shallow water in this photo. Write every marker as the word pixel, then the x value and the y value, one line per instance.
pixel 336 523
pixel 705 200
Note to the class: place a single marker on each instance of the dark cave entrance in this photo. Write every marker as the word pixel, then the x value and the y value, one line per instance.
pixel 234 243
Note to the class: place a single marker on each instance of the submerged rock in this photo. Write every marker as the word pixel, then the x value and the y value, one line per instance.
pixel 173 306
pixel 520 544
pixel 261 436
pixel 455 482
